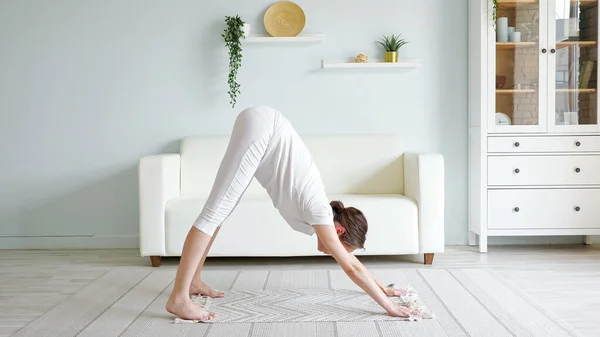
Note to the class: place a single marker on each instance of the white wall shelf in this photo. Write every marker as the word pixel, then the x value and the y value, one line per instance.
pixel 401 64
pixel 303 38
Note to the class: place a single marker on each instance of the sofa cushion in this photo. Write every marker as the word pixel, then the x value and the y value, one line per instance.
pixel 255 228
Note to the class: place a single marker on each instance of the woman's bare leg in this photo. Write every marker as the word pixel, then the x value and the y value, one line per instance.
pixel 198 287
pixel 179 304
pixel 248 144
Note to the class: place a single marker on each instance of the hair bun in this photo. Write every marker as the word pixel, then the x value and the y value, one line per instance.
pixel 337 206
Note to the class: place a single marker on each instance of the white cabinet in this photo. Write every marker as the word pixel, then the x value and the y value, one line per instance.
pixel 534 136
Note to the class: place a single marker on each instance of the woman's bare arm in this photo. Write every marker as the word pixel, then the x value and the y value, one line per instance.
pixel 387 290
pixel 356 271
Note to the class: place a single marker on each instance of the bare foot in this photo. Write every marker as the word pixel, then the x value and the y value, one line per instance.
pixel 199 288
pixel 185 309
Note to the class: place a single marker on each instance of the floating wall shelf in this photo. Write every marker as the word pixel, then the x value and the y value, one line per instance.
pixel 303 38
pixel 401 64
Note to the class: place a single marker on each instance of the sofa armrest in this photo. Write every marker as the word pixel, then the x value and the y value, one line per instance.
pixel 424 182
pixel 158 182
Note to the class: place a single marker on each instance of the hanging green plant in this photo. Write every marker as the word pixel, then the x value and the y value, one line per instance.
pixel 232 35
pixel 494 12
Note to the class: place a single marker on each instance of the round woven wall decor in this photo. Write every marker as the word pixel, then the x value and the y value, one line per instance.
pixel 284 19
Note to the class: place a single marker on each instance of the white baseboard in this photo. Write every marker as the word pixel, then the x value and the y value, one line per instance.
pixel 70 242
pixel 539 240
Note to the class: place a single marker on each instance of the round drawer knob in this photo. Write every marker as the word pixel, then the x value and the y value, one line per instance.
pixel 577 209
pixel 577 170
pixel 517 170
pixel 578 143
pixel 516 209
pixel 517 144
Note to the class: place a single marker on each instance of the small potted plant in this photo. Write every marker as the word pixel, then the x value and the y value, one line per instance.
pixel 392 44
pixel 234 31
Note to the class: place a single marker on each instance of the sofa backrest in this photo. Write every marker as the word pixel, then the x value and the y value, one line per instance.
pixel 348 164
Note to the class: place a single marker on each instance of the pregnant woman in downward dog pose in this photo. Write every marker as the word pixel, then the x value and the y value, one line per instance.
pixel 265 146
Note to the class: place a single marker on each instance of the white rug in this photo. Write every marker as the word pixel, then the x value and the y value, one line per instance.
pixel 302 305
pixel 130 302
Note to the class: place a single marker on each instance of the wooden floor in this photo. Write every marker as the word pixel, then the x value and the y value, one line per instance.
pixel 564 279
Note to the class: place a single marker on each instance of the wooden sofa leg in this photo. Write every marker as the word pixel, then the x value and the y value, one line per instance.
pixel 156 260
pixel 429 258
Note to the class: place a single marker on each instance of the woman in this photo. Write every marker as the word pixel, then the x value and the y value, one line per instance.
pixel 265 146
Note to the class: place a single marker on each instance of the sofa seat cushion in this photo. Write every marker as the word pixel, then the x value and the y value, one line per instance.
pixel 255 227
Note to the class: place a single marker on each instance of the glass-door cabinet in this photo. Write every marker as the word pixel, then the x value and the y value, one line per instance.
pixel 546 57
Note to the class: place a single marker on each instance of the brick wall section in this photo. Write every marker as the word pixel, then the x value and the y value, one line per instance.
pixel 589 32
pixel 526 69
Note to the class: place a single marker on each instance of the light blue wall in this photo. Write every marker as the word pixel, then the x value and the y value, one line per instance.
pixel 88 87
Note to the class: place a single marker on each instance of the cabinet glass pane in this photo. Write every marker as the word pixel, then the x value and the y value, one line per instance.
pixel 576 62
pixel 517 62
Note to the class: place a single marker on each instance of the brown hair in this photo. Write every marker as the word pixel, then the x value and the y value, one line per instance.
pixel 354 223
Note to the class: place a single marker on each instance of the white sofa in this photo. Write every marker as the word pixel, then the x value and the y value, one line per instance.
pixel 401 194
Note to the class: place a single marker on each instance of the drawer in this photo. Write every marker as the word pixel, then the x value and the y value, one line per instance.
pixel 544 209
pixel 543 144
pixel 543 170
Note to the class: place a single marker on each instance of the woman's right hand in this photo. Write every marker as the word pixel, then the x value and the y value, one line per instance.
pixel 404 312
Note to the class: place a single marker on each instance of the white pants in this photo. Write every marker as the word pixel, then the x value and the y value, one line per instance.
pixel 252 133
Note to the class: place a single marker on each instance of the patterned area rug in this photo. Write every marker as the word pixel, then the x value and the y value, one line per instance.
pixel 302 305
pixel 130 302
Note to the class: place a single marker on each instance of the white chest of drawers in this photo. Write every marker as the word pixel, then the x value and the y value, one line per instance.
pixel 537 185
